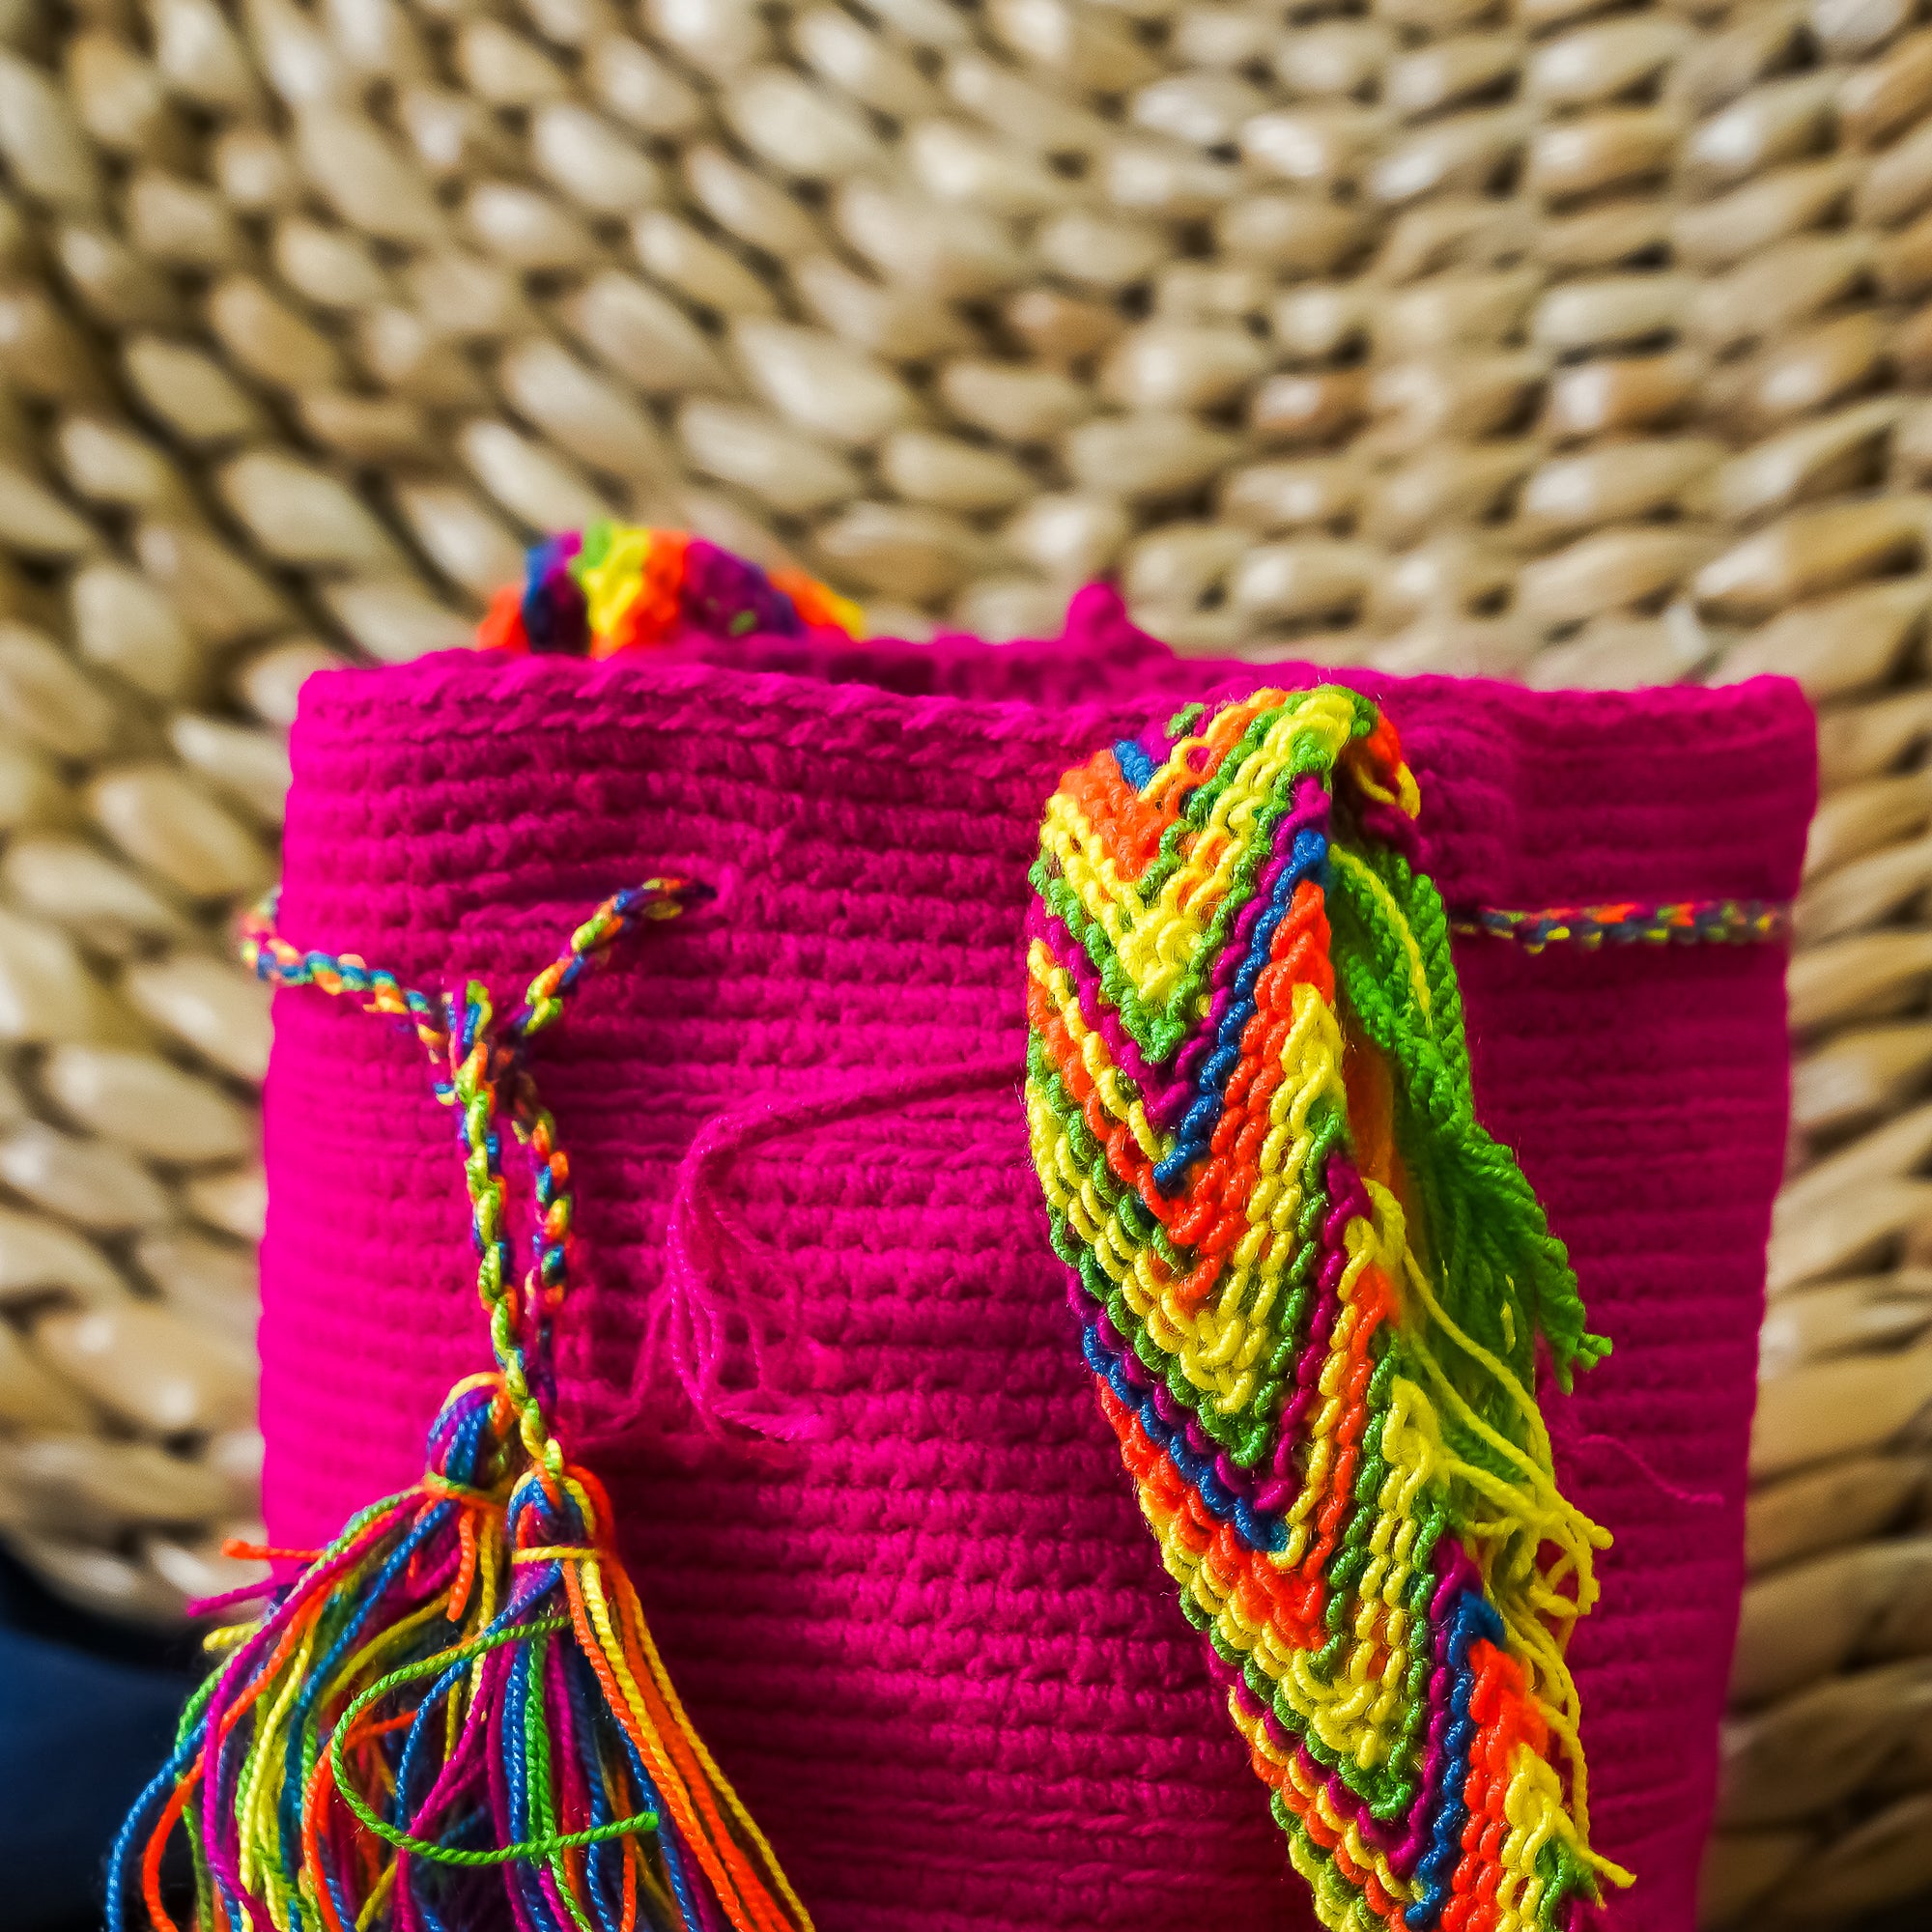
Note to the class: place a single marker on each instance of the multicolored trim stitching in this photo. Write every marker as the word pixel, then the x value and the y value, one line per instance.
pixel 1246 1082
pixel 1635 922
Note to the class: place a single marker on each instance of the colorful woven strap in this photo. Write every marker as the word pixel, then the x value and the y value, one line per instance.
pixel 615 587
pixel 459 1696
pixel 1310 1290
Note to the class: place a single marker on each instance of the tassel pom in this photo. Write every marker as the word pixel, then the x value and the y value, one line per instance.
pixel 613 588
pixel 459 1702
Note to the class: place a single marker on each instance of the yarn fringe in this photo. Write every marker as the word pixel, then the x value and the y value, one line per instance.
pixel 1504 1275
pixel 459 1697
pixel 1484 1281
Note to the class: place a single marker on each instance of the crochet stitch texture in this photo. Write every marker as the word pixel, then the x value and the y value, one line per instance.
pixel 917 1617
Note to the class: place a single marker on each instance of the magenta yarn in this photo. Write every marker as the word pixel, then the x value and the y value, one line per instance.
pixel 820 1347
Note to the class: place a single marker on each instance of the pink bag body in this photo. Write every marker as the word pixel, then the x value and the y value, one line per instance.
pixel 818 1345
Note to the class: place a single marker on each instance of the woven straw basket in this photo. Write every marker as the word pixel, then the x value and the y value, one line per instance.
pixel 1575 341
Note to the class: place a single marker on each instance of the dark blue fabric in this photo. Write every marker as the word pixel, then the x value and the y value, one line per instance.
pixel 86 1713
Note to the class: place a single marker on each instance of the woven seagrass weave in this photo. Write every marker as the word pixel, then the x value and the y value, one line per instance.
pixel 1584 342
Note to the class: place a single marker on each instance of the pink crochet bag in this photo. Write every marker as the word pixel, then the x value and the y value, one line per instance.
pixel 818 1344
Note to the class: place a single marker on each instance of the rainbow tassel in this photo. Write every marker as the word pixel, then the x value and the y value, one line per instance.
pixel 459 1697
